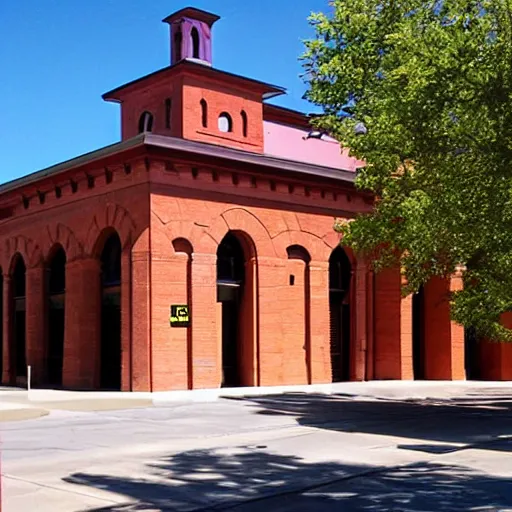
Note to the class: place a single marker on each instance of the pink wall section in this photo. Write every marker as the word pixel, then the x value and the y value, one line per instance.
pixel 289 142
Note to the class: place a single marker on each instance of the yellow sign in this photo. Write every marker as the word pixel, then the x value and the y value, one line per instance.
pixel 180 316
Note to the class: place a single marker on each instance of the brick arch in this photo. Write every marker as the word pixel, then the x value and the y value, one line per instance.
pixel 313 244
pixel 62 235
pixel 27 248
pixel 241 220
pixel 114 218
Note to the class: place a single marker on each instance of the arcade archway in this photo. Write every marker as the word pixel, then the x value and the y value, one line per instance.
pixel 236 268
pixel 110 346
pixel 340 273
pixel 19 356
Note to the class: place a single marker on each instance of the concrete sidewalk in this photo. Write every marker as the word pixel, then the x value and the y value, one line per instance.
pixel 17 404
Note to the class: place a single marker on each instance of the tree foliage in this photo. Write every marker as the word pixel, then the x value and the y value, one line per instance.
pixel 432 83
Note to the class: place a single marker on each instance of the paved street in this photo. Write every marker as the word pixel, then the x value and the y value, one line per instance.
pixel 370 447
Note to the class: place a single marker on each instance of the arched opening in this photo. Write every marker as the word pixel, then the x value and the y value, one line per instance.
pixel 300 303
pixel 194 36
pixel 56 315
pixel 225 123
pixel 243 115
pixel 110 351
pixel 19 361
pixel 204 113
pixel 418 334
pixel 472 354
pixel 178 39
pixel 146 122
pixel 340 274
pixel 236 273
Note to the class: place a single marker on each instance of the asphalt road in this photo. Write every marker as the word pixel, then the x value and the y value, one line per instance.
pixel 292 452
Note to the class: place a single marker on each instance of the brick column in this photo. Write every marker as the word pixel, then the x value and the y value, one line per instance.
pixel 359 345
pixel 36 316
pixel 141 321
pixel 7 373
pixel 406 342
pixel 126 316
pixel 496 357
pixel 320 323
pixel 273 287
pixel 170 352
pixel 444 339
pixel 393 327
pixel 206 351
pixel 82 329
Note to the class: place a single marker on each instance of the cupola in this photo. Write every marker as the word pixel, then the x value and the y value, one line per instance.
pixel 191 35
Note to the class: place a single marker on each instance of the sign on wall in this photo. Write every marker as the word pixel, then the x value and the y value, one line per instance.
pixel 180 316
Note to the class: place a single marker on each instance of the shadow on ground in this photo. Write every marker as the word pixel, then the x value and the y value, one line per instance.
pixel 480 420
pixel 251 479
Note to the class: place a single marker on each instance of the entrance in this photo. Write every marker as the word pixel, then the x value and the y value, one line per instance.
pixel 110 351
pixel 340 273
pixel 56 316
pixel 418 334
pixel 19 354
pixel 235 296
pixel 471 354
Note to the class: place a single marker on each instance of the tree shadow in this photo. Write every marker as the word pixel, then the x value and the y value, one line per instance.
pixel 251 479
pixel 482 420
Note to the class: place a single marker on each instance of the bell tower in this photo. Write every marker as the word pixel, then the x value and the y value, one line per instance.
pixel 191 35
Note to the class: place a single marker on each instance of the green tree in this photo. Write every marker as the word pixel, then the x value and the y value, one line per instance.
pixel 422 92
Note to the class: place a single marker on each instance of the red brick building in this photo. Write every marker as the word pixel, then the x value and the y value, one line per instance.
pixel 222 203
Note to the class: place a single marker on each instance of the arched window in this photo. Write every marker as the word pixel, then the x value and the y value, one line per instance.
pixel 178 38
pixel 204 113
pixel 225 123
pixel 146 122
pixel 194 35
pixel 243 115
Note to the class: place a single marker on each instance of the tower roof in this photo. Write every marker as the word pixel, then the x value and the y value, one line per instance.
pixel 196 14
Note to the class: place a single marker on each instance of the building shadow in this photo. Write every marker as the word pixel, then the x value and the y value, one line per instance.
pixel 250 479
pixel 485 421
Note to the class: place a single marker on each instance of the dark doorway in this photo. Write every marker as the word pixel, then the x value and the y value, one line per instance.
pixel 230 289
pixel 472 354
pixel 418 334
pixel 56 316
pixel 19 353
pixel 110 351
pixel 340 273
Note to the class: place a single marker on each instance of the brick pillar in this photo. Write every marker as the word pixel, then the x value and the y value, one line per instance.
pixel 7 374
pixel 444 339
pixel 273 285
pixel 170 352
pixel 206 361
pixel 82 329
pixel 36 315
pixel 393 327
pixel 126 316
pixel 406 360
pixel 141 320
pixel 359 345
pixel 294 319
pixel 320 332
pixel 495 357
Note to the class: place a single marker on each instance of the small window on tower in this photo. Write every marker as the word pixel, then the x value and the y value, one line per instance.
pixel 146 122
pixel 194 35
pixel 204 113
pixel 168 111
pixel 225 123
pixel 243 115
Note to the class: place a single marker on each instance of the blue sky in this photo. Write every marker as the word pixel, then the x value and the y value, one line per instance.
pixel 57 57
